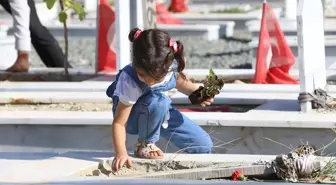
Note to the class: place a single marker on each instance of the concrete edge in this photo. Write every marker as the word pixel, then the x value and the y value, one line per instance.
pixel 141 181
pixel 90 30
pixel 48 74
pixel 68 164
pixel 253 2
pixel 161 26
pixel 190 26
pixel 292 42
pixel 44 70
pixel 257 118
pixel 55 74
pixel 101 86
pixel 208 173
pixel 45 170
pixel 217 16
pixel 254 27
pixel 244 74
pixel 232 98
pixel 178 98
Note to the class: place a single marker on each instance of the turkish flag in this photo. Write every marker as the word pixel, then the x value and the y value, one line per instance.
pixel 163 16
pixel 274 56
pixel 106 37
pixel 178 6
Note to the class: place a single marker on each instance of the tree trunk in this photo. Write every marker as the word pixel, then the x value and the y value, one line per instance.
pixel 66 45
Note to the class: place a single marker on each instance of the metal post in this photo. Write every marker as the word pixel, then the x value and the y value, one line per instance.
pixel 136 14
pixel 97 35
pixel 311 45
pixel 122 26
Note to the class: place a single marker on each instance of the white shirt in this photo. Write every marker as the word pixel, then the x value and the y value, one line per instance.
pixel 129 92
pixel 21 16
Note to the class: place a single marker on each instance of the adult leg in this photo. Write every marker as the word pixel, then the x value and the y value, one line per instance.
pixel 186 134
pixel 145 120
pixel 43 41
pixel 6 6
pixel 21 64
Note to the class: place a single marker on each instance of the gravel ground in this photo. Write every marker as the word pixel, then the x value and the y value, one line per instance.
pixel 200 53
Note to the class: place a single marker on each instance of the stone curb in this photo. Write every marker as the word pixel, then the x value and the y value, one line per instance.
pixel 101 86
pixel 56 74
pixel 255 118
pixel 209 32
pixel 47 167
pixel 208 173
pixel 228 98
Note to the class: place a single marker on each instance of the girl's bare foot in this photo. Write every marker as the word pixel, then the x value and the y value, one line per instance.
pixel 21 64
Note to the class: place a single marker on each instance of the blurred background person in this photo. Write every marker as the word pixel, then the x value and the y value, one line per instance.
pixel 28 30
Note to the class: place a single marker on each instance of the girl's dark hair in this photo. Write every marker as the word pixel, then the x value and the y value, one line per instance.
pixel 153 54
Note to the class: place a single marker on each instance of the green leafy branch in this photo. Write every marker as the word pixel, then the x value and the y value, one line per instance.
pixel 67 5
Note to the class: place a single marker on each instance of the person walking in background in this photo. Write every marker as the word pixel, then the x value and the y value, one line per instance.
pixel 28 29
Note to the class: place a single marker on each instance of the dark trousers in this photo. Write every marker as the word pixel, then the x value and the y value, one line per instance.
pixel 43 41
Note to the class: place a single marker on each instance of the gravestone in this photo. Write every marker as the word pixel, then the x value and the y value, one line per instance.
pixel 90 5
pixel 329 8
pixel 310 26
pixel 149 14
pixel 290 9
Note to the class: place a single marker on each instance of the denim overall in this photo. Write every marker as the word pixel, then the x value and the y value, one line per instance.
pixel 149 113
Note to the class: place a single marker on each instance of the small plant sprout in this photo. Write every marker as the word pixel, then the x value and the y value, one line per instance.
pixel 65 6
pixel 211 87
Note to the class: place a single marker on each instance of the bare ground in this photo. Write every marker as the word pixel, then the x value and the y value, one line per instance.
pixel 99 107
pixel 146 167
pixel 80 107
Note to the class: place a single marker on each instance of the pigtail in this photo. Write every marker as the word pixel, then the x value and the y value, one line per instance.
pixel 133 34
pixel 179 56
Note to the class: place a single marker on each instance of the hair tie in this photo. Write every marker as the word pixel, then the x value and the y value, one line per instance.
pixel 173 45
pixel 137 33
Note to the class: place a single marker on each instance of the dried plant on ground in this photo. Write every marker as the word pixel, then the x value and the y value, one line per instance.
pixel 303 165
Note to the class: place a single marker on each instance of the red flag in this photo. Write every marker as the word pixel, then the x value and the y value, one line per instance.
pixel 178 6
pixel 106 37
pixel 274 56
pixel 163 16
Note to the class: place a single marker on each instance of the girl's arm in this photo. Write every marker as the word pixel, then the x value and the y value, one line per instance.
pixel 185 86
pixel 128 93
pixel 119 128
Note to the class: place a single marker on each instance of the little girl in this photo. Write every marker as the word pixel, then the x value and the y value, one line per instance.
pixel 140 105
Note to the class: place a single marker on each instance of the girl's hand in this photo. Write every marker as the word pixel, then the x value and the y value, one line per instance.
pixel 207 102
pixel 119 161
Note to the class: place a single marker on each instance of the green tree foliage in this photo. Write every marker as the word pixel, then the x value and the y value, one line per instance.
pixel 67 5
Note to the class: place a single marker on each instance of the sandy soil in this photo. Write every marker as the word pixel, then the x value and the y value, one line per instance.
pixel 94 107
pixel 81 107
pixel 150 166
